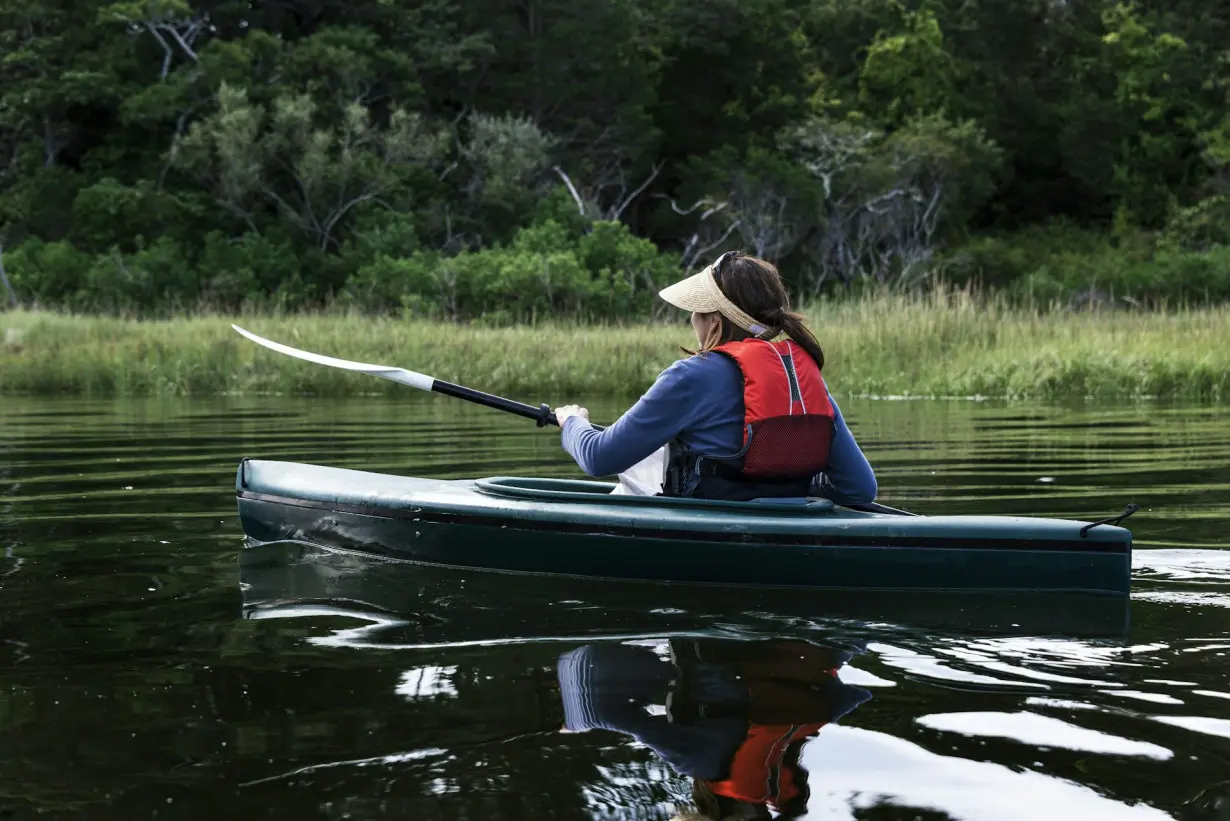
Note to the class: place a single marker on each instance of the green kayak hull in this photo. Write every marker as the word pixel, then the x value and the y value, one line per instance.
pixel 578 528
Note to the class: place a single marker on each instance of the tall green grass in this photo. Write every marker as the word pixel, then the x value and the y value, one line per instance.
pixel 948 344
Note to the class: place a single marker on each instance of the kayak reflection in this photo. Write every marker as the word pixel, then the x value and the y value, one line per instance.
pixel 409 606
pixel 733 716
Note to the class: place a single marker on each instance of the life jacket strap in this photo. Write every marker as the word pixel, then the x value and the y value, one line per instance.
pixel 723 479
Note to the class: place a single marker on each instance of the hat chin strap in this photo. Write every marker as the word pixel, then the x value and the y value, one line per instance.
pixel 732 311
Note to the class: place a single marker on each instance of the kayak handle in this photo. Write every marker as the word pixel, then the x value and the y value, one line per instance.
pixel 1113 520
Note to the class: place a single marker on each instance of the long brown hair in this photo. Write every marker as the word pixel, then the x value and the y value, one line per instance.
pixel 756 287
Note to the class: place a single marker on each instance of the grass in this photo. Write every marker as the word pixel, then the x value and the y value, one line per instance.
pixel 942 345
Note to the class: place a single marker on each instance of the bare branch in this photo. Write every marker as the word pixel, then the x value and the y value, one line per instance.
pixel 184 31
pixel 657 169
pixel 53 143
pixel 571 189
pixel 192 29
pixel 8 286
pixel 235 210
pixel 167 54
pixel 180 122
pixel 693 207
pixel 338 214
pixel 291 212
pixel 700 252
pixel 762 208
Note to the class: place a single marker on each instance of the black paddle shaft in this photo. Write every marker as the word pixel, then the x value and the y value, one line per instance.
pixel 542 414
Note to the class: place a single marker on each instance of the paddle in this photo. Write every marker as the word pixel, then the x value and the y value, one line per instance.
pixel 541 414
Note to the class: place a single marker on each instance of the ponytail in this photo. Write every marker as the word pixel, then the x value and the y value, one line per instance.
pixel 795 326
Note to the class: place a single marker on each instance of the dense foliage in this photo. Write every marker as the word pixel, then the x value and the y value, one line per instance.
pixel 556 157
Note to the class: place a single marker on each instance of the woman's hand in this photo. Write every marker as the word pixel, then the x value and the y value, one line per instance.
pixel 562 413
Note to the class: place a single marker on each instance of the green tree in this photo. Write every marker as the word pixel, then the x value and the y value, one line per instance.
pixel 1154 94
pixel 910 70
pixel 312 173
pixel 585 71
pixel 58 85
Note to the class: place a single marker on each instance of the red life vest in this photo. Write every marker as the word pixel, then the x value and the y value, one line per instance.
pixel 762 772
pixel 787 428
pixel 787 415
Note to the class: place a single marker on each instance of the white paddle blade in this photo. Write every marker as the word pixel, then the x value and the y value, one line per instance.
pixel 401 375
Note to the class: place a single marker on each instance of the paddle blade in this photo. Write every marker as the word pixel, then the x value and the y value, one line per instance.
pixel 401 375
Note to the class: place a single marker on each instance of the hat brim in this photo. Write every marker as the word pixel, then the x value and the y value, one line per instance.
pixel 690 294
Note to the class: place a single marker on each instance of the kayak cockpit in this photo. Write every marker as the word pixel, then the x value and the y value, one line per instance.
pixel 589 492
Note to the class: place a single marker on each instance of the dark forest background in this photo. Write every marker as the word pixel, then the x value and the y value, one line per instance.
pixel 568 157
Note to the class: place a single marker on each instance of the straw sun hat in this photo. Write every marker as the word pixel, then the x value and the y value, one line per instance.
pixel 700 293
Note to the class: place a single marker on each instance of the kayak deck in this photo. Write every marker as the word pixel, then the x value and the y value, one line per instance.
pixel 579 528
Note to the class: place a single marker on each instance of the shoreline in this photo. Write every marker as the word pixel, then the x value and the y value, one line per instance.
pixel 890 346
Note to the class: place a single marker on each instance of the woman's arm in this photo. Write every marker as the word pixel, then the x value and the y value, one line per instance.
pixel 848 477
pixel 665 410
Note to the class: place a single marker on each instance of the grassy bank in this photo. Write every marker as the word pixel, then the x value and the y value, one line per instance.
pixel 891 345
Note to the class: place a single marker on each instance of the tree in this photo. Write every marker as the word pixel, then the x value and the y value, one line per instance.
pixel 886 198
pixel 909 71
pixel 584 71
pixel 58 84
pixel 1154 93
pixel 501 162
pixel 174 24
pixel 311 173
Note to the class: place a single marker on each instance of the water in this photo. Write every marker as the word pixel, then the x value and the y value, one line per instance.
pixel 150 668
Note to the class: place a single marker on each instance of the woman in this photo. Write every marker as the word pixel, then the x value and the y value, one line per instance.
pixel 741 418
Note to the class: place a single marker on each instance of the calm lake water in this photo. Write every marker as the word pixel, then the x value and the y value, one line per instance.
pixel 151 666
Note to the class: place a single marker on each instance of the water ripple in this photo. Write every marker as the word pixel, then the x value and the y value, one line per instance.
pixel 141 642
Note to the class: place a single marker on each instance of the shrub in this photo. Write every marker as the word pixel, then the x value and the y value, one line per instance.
pixel 1200 227
pixel 994 262
pixel 548 269
pixel 47 273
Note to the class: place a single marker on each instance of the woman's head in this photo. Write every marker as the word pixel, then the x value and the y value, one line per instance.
pixel 740 297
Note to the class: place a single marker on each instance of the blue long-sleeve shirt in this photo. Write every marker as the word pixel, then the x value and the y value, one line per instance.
pixel 700 400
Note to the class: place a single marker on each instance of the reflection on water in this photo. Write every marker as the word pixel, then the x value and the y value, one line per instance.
pixel 732 717
pixel 403 606
pixel 729 696
pixel 151 666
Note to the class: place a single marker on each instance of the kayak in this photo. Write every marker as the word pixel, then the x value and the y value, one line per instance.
pixel 573 528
